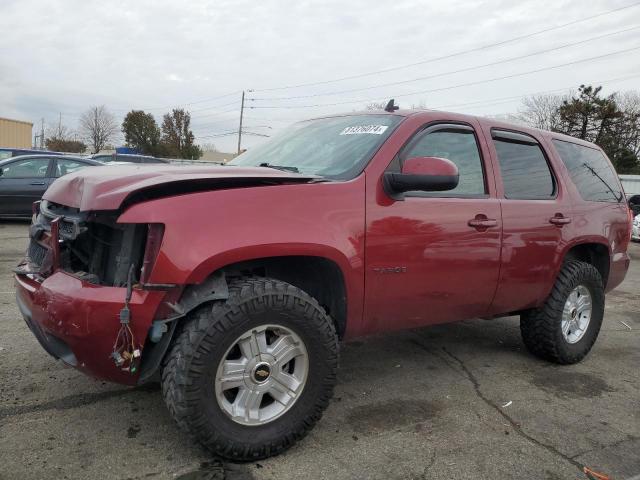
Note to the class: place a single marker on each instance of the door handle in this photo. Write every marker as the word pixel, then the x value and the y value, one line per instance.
pixel 36 183
pixel 481 221
pixel 559 220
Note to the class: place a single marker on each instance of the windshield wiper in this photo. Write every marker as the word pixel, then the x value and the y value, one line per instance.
pixel 616 195
pixel 280 167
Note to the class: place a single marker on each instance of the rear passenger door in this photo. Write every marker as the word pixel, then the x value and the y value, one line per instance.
pixel 23 182
pixel 536 219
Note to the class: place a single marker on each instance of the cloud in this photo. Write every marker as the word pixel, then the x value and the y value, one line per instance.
pixel 156 55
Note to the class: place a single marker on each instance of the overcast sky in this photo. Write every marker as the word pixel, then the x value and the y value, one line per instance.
pixel 64 56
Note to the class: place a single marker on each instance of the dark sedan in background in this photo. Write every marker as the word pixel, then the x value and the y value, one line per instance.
pixel 24 179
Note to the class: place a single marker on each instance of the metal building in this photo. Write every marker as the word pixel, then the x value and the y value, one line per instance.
pixel 15 133
pixel 631 184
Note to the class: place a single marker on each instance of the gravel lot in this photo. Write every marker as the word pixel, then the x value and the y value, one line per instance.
pixel 429 403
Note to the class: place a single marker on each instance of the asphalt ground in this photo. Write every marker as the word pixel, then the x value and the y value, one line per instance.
pixel 460 401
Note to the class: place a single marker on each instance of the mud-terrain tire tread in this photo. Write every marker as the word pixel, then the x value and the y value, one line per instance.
pixel 198 334
pixel 540 328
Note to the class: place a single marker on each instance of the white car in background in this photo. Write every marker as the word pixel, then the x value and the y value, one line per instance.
pixel 635 231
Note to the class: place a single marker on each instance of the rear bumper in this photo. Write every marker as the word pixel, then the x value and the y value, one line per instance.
pixel 77 322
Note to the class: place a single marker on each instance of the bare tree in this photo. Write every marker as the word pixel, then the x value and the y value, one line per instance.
pixel 208 147
pixel 98 126
pixel 58 130
pixel 629 102
pixel 542 111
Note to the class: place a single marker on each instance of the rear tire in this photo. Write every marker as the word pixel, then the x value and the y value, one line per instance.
pixel 224 333
pixel 578 283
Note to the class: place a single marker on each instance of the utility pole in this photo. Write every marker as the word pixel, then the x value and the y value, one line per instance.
pixel 42 135
pixel 240 127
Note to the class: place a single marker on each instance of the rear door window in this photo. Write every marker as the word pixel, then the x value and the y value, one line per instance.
pixel 525 171
pixel 590 171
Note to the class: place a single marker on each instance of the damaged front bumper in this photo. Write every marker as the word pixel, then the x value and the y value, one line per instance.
pixel 77 322
pixel 72 287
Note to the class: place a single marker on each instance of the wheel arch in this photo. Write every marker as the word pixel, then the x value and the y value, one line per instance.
pixel 320 275
pixel 596 252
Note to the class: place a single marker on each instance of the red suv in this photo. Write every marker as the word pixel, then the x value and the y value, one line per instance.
pixel 233 284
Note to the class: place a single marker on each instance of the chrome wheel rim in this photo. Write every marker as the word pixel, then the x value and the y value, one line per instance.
pixel 576 314
pixel 262 375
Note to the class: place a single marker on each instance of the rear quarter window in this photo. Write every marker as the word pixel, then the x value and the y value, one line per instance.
pixel 590 171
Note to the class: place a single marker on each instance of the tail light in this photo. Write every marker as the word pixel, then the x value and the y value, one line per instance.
pixel 151 250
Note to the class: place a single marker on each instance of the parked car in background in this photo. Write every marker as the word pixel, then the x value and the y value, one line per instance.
pixel 15 152
pixel 126 158
pixel 634 204
pixel 24 179
pixel 635 232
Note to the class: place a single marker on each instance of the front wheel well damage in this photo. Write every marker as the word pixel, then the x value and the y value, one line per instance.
pixel 317 276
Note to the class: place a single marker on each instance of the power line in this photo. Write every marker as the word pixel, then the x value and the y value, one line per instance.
pixel 216 114
pixel 217 122
pixel 451 87
pixel 474 104
pixel 216 106
pixel 221 134
pixel 210 99
pixel 492 101
pixel 451 72
pixel 452 55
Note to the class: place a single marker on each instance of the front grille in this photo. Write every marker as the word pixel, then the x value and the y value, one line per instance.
pixel 93 247
pixel 36 253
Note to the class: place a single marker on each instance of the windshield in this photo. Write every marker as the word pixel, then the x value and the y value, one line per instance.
pixel 336 147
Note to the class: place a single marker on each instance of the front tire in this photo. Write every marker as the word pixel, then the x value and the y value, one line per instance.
pixel 565 328
pixel 250 376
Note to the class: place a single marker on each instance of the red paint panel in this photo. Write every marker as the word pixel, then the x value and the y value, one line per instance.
pixel 105 188
pixel 86 318
pixel 209 230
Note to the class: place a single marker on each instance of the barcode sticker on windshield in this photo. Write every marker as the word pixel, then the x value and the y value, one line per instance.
pixel 364 129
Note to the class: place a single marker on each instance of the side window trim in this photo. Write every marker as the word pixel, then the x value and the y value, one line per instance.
pixel 513 136
pixel 510 136
pixel 429 128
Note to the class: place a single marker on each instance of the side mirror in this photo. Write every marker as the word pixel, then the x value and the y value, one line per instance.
pixel 427 174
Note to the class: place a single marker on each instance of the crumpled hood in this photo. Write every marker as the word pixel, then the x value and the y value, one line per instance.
pixel 108 187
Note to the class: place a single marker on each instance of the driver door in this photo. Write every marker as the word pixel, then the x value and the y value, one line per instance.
pixel 428 257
